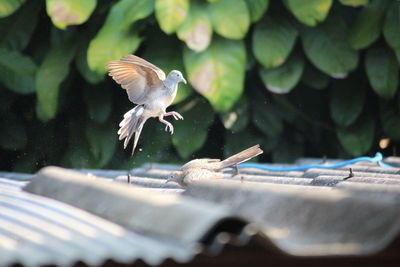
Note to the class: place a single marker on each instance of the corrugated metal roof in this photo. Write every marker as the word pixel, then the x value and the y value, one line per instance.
pixel 316 212
pixel 37 231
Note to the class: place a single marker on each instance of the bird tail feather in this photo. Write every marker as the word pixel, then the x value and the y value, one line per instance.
pixel 132 124
pixel 242 156
pixel 139 128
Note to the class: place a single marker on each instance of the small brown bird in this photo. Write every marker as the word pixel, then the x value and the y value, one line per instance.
pixel 146 86
pixel 198 169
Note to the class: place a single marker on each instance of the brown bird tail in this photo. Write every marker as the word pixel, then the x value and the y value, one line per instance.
pixel 242 156
pixel 132 124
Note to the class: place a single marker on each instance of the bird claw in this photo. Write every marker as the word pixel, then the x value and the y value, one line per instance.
pixel 174 114
pixel 169 128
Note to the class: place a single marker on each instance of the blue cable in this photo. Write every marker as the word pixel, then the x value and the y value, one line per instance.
pixel 378 158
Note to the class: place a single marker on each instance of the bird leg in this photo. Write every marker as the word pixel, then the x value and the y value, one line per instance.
pixel 175 114
pixel 168 126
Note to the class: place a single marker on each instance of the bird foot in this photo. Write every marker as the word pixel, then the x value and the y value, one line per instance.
pixel 169 128
pixel 174 114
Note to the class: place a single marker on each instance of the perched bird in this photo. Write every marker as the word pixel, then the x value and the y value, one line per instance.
pixel 198 169
pixel 146 86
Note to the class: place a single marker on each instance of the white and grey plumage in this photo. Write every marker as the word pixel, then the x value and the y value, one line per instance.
pixel 149 88
pixel 200 169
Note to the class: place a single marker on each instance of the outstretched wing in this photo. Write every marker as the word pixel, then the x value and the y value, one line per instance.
pixel 137 76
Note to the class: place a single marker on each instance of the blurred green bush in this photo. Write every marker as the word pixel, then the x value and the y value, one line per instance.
pixel 302 78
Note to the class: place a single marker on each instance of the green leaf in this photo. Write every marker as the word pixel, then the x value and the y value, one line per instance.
pixel 309 12
pixel 288 151
pixel 283 106
pixel 83 67
pixel 7 100
pixel 313 110
pixel 196 30
pixel 191 133
pixel 40 113
pixel 314 78
pixel 153 145
pixel 109 45
pixel 7 7
pixel 390 117
pixel 326 46
pixel 102 141
pixel 238 118
pixel 257 8
pixel 17 72
pixel 218 72
pixel 170 14
pixel 13 133
pixel 79 157
pixel 391 28
pixel 98 102
pixel 236 142
pixel 115 38
pixel 230 18
pixel 81 55
pixel 357 139
pixel 81 58
pixel 169 58
pixel 77 153
pixel 347 102
pixel 51 73
pixel 27 163
pixel 367 26
pixel 382 71
pixel 354 3
pixel 266 117
pixel 284 78
pixel 273 40
pixel 15 32
pixel 184 91
pixel 58 37
pixel 69 12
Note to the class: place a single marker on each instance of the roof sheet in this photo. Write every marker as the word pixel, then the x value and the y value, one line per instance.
pixel 316 212
pixel 37 231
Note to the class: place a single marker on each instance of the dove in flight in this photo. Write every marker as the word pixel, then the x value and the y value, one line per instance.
pixel 149 88
pixel 199 169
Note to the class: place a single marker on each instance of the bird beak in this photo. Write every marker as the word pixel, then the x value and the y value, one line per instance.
pixel 184 81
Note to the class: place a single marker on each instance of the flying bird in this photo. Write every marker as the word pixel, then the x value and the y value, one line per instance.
pixel 199 169
pixel 149 88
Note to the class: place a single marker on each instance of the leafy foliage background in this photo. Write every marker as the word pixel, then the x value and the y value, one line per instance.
pixel 302 78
